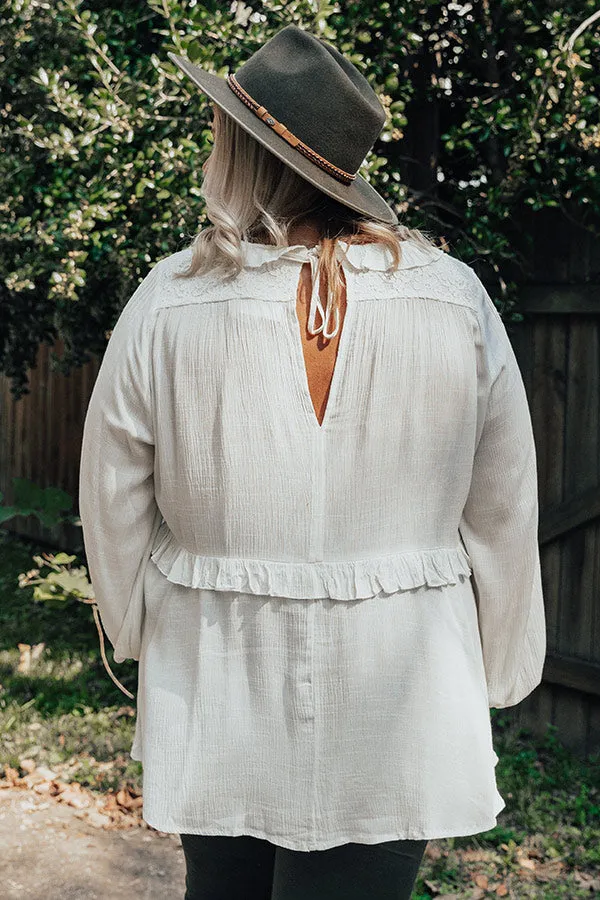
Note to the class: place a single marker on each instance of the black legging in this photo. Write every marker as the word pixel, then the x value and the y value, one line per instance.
pixel 250 868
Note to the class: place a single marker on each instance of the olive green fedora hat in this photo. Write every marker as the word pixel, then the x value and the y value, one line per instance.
pixel 311 107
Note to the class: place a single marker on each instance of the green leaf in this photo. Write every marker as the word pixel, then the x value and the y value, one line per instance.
pixel 8 512
pixel 45 503
pixel 47 592
pixel 64 559
pixel 71 581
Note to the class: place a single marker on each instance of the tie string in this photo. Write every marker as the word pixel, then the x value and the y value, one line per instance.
pixel 304 254
pixel 317 306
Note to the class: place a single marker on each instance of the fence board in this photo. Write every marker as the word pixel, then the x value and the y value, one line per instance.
pixel 547 404
pixel 552 299
pixel 594 718
pixel 578 547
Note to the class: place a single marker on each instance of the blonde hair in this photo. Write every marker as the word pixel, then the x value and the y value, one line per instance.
pixel 252 195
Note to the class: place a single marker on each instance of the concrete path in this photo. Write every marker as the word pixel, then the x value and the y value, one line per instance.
pixel 50 851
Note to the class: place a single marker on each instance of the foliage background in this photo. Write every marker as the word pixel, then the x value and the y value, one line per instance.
pixel 491 111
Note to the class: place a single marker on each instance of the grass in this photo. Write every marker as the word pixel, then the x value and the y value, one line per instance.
pixel 65 707
pixel 547 841
pixel 66 704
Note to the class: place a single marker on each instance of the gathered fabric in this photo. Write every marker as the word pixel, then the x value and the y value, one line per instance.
pixel 323 612
pixel 357 258
pixel 350 580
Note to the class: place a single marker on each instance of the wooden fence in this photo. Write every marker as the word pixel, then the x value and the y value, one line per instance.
pixel 558 348
pixel 40 438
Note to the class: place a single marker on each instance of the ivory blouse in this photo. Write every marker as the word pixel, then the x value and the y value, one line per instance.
pixel 323 614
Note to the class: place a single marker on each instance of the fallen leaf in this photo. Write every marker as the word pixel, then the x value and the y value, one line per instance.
pixel 45 772
pixel 36 650
pixel 24 658
pixel 472 855
pixel 97 819
pixel 76 796
pixel 586 880
pixel 128 799
pixel 11 776
pixel 43 787
pixel 526 863
pixel 56 787
pixel 28 655
pixel 549 870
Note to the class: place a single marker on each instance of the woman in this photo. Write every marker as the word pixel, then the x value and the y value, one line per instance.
pixel 309 501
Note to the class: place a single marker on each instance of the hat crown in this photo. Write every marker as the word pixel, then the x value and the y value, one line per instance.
pixel 320 96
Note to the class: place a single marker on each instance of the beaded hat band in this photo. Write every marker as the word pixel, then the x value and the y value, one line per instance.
pixel 286 134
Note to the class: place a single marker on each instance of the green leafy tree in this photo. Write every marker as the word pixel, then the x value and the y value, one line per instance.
pixel 492 109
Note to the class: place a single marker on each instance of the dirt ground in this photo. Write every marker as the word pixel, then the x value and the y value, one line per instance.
pixel 51 851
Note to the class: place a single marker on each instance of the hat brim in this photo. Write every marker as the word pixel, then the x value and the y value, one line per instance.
pixel 359 195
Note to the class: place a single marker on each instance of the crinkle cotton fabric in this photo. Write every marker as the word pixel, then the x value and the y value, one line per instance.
pixel 323 614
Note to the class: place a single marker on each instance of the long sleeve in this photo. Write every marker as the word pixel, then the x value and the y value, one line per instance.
pixel 499 524
pixel 117 505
